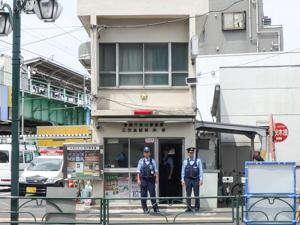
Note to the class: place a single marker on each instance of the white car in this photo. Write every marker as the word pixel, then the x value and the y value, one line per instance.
pixel 26 155
pixel 43 172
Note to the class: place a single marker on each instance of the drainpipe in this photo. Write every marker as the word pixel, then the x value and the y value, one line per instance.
pixel 250 20
pixel 257 29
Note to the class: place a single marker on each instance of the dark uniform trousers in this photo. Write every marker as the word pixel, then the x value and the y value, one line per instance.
pixel 148 184
pixel 192 184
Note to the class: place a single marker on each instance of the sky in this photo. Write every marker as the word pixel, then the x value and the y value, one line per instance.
pixel 64 49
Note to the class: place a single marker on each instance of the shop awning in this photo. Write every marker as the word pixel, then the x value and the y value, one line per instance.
pixel 247 130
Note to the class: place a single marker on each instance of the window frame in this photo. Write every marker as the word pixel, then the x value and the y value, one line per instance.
pixel 129 168
pixel 108 72
pixel 178 71
pixel 119 73
pixel 233 28
pixel 169 71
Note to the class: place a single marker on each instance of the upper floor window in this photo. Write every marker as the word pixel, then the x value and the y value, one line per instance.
pixel 234 21
pixel 108 65
pixel 136 64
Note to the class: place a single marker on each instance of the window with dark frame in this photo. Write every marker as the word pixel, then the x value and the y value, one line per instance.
pixel 143 64
pixel 124 153
pixel 107 65
pixel 234 21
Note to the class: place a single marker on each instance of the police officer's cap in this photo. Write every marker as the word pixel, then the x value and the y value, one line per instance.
pixel 190 149
pixel 146 149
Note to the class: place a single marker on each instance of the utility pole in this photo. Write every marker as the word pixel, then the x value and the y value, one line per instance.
pixel 11 19
pixel 16 21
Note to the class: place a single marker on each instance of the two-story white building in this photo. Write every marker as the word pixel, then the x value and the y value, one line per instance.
pixel 140 59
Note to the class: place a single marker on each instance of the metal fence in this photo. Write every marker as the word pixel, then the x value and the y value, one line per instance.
pixel 172 211
pixel 42 210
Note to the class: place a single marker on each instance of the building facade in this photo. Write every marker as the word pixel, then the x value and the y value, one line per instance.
pixel 139 63
pixel 250 88
pixel 241 28
pixel 139 57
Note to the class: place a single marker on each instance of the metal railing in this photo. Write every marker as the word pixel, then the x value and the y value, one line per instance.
pixel 45 210
pixel 42 210
pixel 172 211
pixel 50 91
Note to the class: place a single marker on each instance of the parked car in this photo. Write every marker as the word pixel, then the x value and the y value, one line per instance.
pixel 43 171
pixel 26 155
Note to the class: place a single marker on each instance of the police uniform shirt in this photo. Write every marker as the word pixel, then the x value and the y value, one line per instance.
pixel 147 161
pixel 199 164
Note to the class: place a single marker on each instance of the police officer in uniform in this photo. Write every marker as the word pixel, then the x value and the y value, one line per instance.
pixel 147 177
pixel 192 178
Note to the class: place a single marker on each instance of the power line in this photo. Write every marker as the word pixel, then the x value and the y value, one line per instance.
pixel 47 38
pixel 47 58
pixel 69 33
pixel 68 52
pixel 50 28
pixel 51 37
pixel 273 55
pixel 137 106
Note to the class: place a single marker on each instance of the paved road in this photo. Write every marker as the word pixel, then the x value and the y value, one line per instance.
pixel 118 215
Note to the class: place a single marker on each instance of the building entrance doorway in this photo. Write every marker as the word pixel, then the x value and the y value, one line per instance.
pixel 170 160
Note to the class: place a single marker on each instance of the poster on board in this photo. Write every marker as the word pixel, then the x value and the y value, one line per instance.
pixel 83 161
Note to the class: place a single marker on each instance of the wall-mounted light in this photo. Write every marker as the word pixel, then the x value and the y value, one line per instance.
pixel 194 46
pixel 144 97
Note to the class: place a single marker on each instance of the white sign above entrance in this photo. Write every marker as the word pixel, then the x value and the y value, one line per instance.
pixel 140 127
pixel 149 140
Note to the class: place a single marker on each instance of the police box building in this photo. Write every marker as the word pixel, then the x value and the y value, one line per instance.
pixel 139 93
pixel 139 57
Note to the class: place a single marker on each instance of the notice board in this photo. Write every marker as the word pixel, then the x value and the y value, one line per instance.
pixel 83 161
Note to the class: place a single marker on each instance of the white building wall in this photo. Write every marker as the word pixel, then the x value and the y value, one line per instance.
pixel 250 94
pixel 207 70
pixel 141 7
pixel 172 32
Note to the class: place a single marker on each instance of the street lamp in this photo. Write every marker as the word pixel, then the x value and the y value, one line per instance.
pixel 48 11
pixel 28 8
pixel 5 23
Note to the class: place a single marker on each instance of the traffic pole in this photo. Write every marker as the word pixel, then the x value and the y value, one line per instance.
pixel 15 112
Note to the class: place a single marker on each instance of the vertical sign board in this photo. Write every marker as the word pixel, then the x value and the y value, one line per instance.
pixel 3 103
pixel 270 193
pixel 83 161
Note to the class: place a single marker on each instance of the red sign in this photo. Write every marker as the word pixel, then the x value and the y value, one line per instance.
pixel 281 132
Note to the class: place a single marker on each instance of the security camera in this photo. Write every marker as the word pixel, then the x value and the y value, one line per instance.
pixel 98 126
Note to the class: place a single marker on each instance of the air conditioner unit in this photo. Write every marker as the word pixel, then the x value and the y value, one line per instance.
pixel 84 54
pixel 192 81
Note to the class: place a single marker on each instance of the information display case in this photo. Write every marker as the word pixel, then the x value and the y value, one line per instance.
pixel 83 161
